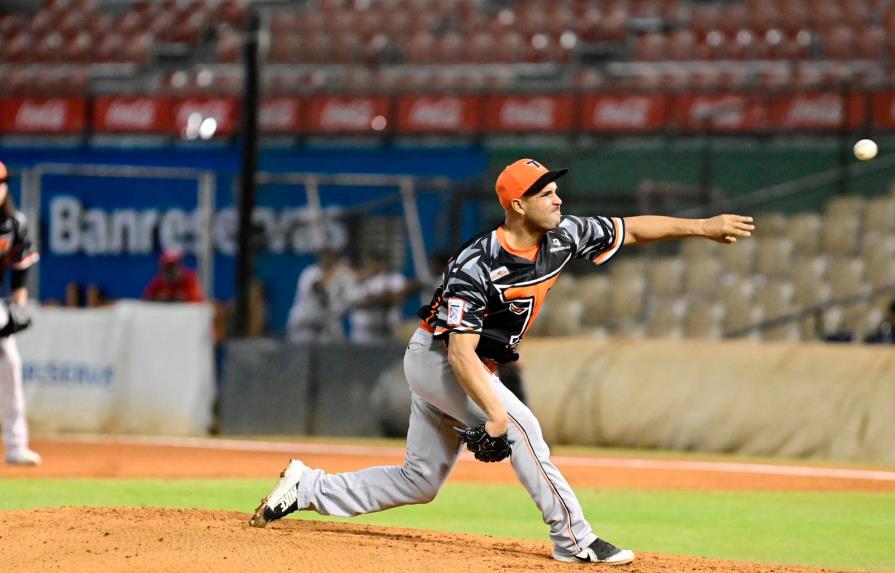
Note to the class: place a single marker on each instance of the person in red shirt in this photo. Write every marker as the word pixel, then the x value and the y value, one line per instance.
pixel 173 282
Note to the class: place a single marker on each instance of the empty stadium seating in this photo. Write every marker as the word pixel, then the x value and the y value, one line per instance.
pixel 790 265
pixel 751 43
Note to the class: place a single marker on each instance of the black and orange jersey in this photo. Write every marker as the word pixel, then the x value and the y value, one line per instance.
pixel 16 251
pixel 490 289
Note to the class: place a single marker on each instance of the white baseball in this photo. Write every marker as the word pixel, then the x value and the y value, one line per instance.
pixel 866 149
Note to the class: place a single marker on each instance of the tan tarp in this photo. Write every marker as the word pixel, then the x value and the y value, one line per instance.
pixel 779 399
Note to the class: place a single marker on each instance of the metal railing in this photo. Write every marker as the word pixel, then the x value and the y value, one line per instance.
pixel 816 311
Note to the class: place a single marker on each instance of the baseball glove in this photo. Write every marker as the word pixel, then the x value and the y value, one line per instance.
pixel 17 320
pixel 484 447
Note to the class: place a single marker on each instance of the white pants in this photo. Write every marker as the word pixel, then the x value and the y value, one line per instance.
pixel 439 403
pixel 12 396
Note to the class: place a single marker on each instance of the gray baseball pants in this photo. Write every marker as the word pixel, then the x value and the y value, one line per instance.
pixel 438 403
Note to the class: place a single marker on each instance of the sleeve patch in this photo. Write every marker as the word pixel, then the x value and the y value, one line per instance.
pixel 456 307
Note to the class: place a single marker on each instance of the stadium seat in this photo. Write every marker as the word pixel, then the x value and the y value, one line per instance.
pixel 776 300
pixel 841 233
pixel 804 231
pixel 881 273
pixel 846 277
pixel 770 225
pixel 651 47
pixel 229 47
pixel 877 248
pixel 626 299
pixel 773 256
pixel 871 43
pixel 809 280
pixel 702 278
pixel 739 258
pixel 847 205
pixel 665 277
pixel 681 46
pixel 704 319
pixel 692 251
pixel 880 215
pixel 666 319
pixel 565 318
pixel 742 317
pixel 593 292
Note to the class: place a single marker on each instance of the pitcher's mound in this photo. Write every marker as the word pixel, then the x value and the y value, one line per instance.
pixel 178 540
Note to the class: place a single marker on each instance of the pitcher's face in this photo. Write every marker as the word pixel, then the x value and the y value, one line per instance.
pixel 542 209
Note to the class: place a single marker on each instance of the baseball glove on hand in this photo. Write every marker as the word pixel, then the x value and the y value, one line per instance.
pixel 484 447
pixel 17 318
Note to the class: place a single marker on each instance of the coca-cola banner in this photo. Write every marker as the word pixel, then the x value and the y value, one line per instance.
pixel 49 115
pixel 196 113
pixel 528 113
pixel 140 114
pixel 280 115
pixel 720 112
pixel 817 110
pixel 444 114
pixel 884 110
pixel 347 114
pixel 623 113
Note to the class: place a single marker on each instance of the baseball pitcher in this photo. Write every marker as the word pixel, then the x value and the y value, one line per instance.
pixel 490 295
pixel 15 254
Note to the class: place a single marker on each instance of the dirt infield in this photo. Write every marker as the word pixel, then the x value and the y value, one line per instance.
pixel 127 539
pixel 162 540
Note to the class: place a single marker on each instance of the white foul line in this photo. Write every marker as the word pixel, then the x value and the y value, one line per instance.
pixel 579 461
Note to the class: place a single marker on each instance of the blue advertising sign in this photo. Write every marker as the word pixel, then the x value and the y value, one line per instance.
pixel 109 231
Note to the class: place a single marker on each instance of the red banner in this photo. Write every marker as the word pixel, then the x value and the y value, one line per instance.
pixel 623 113
pixel 720 112
pixel 884 110
pixel 191 113
pixel 529 113
pixel 816 110
pixel 280 115
pixel 443 114
pixel 346 114
pixel 49 115
pixel 141 114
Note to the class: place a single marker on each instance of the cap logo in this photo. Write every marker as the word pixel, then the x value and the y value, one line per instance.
pixel 535 163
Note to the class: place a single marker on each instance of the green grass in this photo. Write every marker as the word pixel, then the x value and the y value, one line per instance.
pixel 837 530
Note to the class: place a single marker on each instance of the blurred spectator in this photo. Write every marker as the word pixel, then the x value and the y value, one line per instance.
pixel 376 301
pixel 173 282
pixel 321 299
pixel 884 332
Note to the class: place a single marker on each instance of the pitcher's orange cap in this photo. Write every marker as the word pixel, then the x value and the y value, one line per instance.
pixel 524 176
pixel 4 174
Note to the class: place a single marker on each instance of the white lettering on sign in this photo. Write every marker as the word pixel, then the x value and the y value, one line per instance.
pixel 628 112
pixel 533 113
pixel 139 114
pixel 75 229
pixel 278 114
pixel 354 114
pixel 49 115
pixel 826 110
pixel 444 113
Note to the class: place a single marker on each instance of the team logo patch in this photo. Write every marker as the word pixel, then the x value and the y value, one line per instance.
pixel 515 308
pixel 456 307
pixel 499 272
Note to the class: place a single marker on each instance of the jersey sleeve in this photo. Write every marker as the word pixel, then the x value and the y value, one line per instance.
pixel 597 239
pixel 23 255
pixel 465 296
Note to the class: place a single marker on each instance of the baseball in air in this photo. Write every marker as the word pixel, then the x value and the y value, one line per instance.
pixel 865 149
